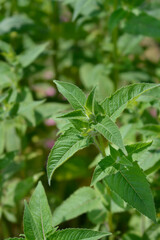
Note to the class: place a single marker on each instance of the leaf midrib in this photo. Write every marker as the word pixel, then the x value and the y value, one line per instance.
pixel 65 154
pixel 133 189
pixel 137 96
pixel 85 202
pixel 75 99
pixel 44 237
pixel 108 130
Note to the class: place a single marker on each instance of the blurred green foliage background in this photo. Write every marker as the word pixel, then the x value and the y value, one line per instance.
pixel 101 43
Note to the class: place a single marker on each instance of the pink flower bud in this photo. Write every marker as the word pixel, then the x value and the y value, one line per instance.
pixel 49 143
pixel 50 92
pixel 153 112
pixel 50 122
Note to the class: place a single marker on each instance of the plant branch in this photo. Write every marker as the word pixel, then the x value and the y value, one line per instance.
pixel 100 145
pixel 55 18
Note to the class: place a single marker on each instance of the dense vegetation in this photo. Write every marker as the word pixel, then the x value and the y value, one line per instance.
pixel 81 153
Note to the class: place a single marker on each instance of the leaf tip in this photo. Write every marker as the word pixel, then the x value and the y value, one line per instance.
pixel 125 151
pixel 92 183
pixel 55 81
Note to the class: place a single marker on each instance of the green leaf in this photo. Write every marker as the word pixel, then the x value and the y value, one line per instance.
pixel 113 152
pixel 80 125
pixel 90 101
pixel 27 110
pixel 152 232
pixel 13 23
pixel 11 134
pixel 84 7
pixel 6 159
pixel 149 161
pixel 6 48
pixel 98 109
pixel 78 234
pixel 115 18
pixel 3 97
pixel 30 55
pixel 97 216
pixel 27 106
pixel 131 185
pixel 117 102
pixel 30 228
pixel 52 110
pixel 143 24
pixel 129 44
pixel 97 76
pixel 7 76
pixel 131 236
pixel 2 138
pixel 67 144
pixel 133 2
pixel 134 76
pixel 102 169
pixel 137 147
pixel 124 161
pixel 151 130
pixel 77 114
pixel 25 185
pixel 117 203
pixel 81 201
pixel 74 95
pixel 40 211
pixel 15 238
pixel 111 132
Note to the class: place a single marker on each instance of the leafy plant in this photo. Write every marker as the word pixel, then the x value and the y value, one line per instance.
pixel 110 50
pixel 120 173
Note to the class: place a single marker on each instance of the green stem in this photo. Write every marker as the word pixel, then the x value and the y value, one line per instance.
pixel 143 224
pixel 55 18
pixel 97 145
pixel 13 7
pixel 100 145
pixel 100 138
pixel 115 50
pixel 110 218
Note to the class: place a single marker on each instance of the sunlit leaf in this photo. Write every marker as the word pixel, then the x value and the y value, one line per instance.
pixel 15 22
pixel 81 201
pixel 40 211
pixel 131 185
pixel 73 94
pixel 30 55
pixel 78 234
pixel 67 144
pixel 110 131
pixel 143 24
pixel 117 102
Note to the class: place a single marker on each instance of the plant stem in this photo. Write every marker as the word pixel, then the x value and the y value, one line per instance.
pixel 55 17
pixel 13 7
pixel 100 145
pixel 97 145
pixel 110 218
pixel 115 50
pixel 143 224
